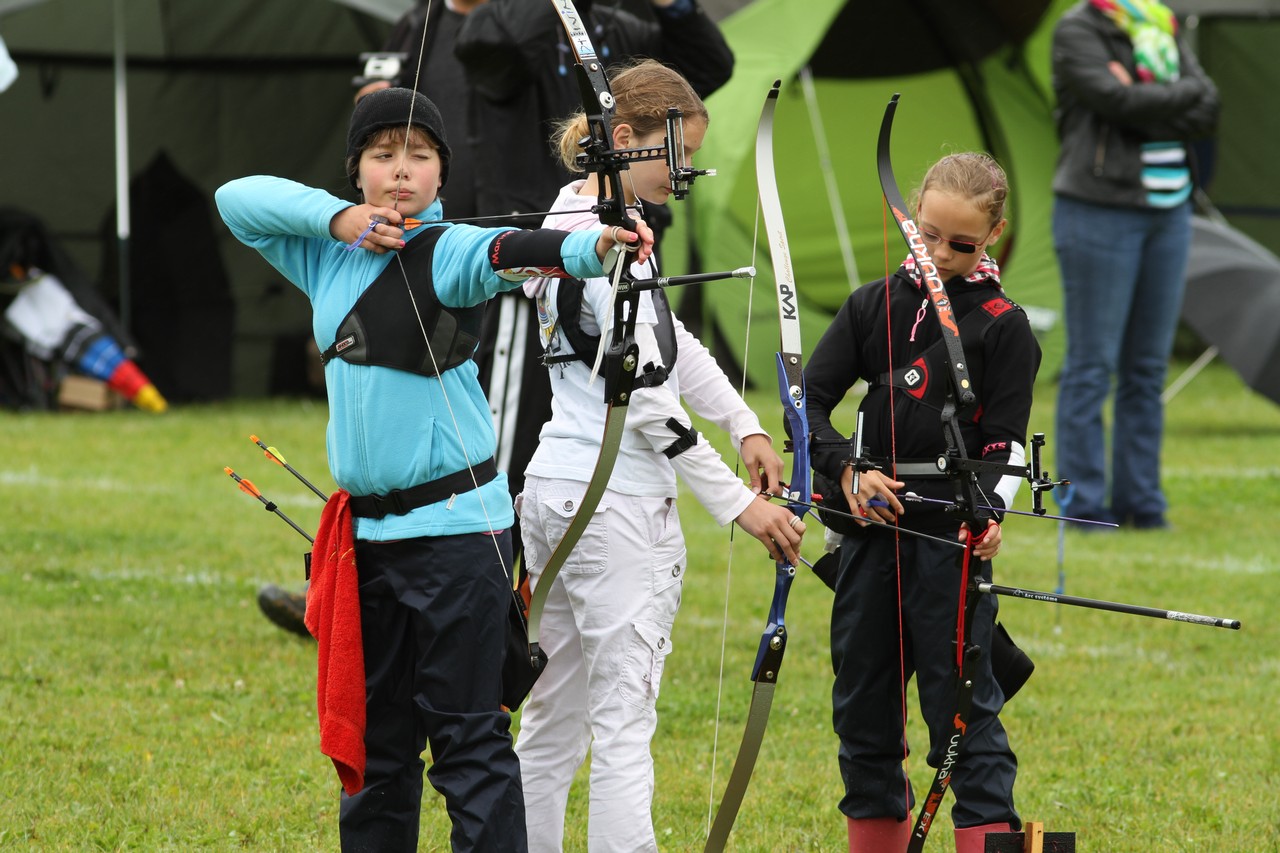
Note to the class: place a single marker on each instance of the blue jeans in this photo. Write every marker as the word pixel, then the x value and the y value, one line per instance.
pixel 1123 274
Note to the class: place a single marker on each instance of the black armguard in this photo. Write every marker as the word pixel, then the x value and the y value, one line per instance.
pixel 686 438
pixel 523 250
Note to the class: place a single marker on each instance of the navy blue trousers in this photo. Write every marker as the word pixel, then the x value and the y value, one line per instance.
pixel 433 614
pixel 867 697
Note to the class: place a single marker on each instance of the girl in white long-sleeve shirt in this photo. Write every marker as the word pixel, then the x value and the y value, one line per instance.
pixel 607 623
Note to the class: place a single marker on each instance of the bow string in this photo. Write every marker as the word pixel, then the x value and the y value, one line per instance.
pixel 426 338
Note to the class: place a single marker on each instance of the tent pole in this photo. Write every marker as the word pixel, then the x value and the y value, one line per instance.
pixel 1192 371
pixel 829 175
pixel 122 165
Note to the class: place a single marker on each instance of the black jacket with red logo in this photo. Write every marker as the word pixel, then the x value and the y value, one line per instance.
pixel 1003 357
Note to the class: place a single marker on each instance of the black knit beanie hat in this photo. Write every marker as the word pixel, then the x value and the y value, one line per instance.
pixel 384 108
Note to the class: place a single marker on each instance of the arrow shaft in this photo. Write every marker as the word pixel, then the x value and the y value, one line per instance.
pixel 1113 606
pixel 274 456
pixel 249 488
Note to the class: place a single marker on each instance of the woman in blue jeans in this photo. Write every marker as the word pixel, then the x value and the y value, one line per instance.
pixel 1131 95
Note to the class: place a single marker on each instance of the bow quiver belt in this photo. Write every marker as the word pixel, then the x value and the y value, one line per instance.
pixel 403 501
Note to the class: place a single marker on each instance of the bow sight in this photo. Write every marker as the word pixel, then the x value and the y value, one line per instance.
pixel 594 157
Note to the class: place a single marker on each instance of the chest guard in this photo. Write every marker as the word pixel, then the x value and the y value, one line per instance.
pixel 383 329
pixel 924 379
pixel 584 346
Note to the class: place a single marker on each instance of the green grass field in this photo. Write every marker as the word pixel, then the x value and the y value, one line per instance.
pixel 145 704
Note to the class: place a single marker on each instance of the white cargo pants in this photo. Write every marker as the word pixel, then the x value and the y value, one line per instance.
pixel 607 631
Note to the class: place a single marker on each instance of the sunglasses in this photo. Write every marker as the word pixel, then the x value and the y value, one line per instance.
pixel 964 247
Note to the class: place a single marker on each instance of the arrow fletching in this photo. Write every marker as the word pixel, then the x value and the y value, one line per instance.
pixel 270 452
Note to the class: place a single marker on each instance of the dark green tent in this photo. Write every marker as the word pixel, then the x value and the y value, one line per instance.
pixel 987 98
pixel 224 89
pixel 1000 102
pixel 1236 41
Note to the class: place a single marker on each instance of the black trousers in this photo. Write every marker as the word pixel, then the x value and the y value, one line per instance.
pixel 867 697
pixel 433 614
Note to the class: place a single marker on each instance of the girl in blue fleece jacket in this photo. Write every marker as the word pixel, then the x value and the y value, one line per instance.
pixel 410 437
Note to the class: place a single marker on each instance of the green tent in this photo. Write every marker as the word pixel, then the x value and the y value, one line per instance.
pixel 1002 103
pixel 239 87
pixel 1236 42
pixel 998 103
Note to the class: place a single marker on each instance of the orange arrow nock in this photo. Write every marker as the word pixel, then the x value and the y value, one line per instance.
pixel 270 452
pixel 245 485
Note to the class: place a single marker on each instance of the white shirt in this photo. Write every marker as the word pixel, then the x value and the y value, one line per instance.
pixel 569 444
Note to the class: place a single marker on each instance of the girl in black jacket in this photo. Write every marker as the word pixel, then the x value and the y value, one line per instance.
pixel 897 596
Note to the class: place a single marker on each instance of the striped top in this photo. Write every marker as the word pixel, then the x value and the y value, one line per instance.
pixel 1165 174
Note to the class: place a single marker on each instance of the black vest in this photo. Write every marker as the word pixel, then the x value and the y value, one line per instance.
pixel 924 379
pixel 584 346
pixel 386 325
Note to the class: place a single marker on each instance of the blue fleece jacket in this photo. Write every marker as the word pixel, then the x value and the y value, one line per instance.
pixel 390 429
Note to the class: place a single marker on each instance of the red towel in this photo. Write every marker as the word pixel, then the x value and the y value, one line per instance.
pixel 333 618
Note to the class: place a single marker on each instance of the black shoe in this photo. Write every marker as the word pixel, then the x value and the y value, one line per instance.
pixel 285 609
pixel 1149 521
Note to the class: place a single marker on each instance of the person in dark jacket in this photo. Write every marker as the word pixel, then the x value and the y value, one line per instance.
pixel 897 596
pixel 1131 95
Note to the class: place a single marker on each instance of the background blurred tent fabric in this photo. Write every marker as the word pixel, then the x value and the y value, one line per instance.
pixel 1236 41
pixel 1233 302
pixel 183 314
pixel 384 10
pixel 226 89
pixel 239 87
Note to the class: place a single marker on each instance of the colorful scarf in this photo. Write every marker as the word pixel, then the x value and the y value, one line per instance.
pixel 987 270
pixel 1151 26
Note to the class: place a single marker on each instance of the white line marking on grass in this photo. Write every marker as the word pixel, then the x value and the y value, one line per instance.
pixel 176 576
pixel 1108 651
pixel 1236 473
pixel 1243 564
pixel 32 478
pixel 1255 565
